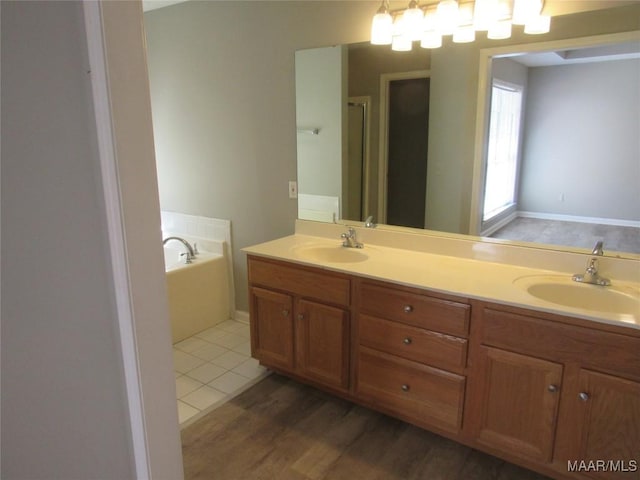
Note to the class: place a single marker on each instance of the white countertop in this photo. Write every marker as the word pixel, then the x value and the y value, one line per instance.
pixel 477 279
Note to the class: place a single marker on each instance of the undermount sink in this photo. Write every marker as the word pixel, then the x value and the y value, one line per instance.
pixel 331 254
pixel 560 290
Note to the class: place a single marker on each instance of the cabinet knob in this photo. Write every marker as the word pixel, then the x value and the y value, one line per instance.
pixel 285 313
pixel 405 387
pixel 552 388
pixel 407 341
pixel 300 316
pixel 408 309
pixel 584 396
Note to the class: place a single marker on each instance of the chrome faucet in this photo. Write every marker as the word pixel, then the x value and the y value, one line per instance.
pixel 597 250
pixel 368 223
pixel 349 239
pixel 191 252
pixel 591 274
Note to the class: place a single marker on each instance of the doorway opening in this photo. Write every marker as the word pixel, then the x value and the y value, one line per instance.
pixel 404 126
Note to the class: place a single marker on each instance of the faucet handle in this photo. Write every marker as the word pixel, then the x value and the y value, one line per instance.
pixel 597 249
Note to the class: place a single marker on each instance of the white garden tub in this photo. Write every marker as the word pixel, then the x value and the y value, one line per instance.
pixel 198 292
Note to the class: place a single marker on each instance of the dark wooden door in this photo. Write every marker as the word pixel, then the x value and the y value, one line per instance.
pixel 407 151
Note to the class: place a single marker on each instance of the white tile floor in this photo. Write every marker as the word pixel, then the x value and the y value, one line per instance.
pixel 212 367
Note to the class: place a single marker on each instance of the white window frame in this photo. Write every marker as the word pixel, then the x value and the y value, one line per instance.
pixel 512 144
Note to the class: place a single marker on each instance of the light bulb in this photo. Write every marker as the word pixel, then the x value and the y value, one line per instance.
pixel 538 25
pixel 382 27
pixel 401 43
pixel 447 15
pixel 499 30
pixel 524 10
pixel 464 34
pixel 485 14
pixel 412 21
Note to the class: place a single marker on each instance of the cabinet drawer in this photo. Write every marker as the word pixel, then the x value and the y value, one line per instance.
pixel 300 281
pixel 413 343
pixel 424 395
pixel 602 351
pixel 414 309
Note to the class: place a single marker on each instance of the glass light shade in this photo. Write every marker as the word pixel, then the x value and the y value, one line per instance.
pixel 464 34
pixel 447 16
pixel 412 20
pixel 485 14
pixel 430 20
pixel 431 39
pixel 524 10
pixel 381 29
pixel 401 43
pixel 499 30
pixel 538 25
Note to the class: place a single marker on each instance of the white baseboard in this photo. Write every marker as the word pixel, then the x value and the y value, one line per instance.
pixel 575 218
pixel 499 224
pixel 241 316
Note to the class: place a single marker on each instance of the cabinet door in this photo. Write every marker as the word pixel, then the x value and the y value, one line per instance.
pixel 322 343
pixel 272 328
pixel 519 403
pixel 609 426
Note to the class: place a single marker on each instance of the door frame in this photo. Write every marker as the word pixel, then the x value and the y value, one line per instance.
pixel 366 153
pixel 383 144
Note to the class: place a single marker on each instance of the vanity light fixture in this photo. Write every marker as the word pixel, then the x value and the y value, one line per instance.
pixel 460 19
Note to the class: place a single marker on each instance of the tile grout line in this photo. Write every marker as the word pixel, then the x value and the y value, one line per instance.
pixel 233 335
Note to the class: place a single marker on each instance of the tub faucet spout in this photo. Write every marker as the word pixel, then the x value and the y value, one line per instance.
pixel 190 251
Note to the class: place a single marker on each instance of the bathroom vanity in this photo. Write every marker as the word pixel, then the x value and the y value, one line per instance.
pixel 452 345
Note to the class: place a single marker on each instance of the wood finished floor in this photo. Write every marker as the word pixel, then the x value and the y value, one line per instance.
pixel 280 429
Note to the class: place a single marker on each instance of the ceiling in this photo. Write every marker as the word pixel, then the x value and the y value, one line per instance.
pixel 551 7
pixel 623 51
pixel 148 5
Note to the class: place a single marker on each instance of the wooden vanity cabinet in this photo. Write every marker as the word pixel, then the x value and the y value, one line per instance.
pixel 272 328
pixel 549 392
pixel 606 422
pixel 520 398
pixel 300 322
pixel 412 354
pixel 561 396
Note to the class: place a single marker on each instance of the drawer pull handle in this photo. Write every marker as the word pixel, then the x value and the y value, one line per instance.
pixel 300 316
pixel 285 313
pixel 407 341
pixel 405 387
pixel 408 309
pixel 583 396
pixel 552 388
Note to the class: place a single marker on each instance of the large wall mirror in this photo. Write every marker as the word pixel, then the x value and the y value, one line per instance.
pixel 406 137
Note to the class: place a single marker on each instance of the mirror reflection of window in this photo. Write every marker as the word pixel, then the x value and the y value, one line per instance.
pixel 503 155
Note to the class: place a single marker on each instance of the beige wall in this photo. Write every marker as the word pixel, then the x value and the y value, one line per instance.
pixel 64 411
pixel 222 79
pixel 223 98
